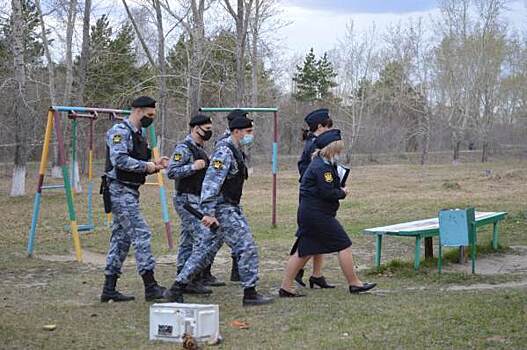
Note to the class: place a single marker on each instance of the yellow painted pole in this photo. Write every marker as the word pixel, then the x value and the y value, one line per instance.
pixel 160 173
pixel 47 141
pixel 90 165
pixel 76 240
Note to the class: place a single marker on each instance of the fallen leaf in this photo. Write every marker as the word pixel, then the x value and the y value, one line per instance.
pixel 240 324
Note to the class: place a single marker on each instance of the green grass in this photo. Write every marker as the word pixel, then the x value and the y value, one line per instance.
pixel 409 310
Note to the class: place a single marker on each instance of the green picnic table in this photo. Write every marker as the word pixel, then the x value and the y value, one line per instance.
pixel 426 229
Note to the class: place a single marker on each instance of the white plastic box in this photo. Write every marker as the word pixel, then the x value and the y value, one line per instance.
pixel 171 321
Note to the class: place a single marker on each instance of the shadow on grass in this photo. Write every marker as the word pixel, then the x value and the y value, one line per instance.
pixel 428 272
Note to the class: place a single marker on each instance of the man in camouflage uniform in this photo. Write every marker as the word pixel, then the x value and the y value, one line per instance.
pixel 127 164
pixel 220 199
pixel 235 275
pixel 187 167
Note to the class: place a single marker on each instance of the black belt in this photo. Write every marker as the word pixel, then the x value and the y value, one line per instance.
pixel 133 187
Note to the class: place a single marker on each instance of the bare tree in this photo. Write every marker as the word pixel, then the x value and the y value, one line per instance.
pixel 241 18
pixel 490 58
pixel 355 67
pixel 20 108
pixel 453 74
pixel 56 171
pixel 85 50
pixel 160 65
pixel 193 22
pixel 264 20
pixel 70 25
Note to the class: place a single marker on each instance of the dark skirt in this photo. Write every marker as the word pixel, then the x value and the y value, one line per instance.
pixel 319 233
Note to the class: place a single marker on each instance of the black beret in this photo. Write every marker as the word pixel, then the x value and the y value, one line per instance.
pixel 317 117
pixel 144 101
pixel 240 123
pixel 327 137
pixel 199 119
pixel 235 114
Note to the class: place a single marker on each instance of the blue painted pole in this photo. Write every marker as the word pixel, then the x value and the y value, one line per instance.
pixel 34 220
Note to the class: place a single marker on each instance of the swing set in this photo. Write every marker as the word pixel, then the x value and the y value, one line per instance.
pixel 75 114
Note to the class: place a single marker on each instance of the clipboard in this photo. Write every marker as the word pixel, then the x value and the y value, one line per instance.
pixel 343 174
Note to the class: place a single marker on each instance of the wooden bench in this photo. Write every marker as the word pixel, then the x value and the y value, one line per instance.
pixel 426 229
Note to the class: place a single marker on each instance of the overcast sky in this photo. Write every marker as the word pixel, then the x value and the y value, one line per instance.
pixel 320 23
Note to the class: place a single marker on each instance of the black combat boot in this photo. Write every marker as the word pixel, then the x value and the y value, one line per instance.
pixel 153 291
pixel 109 292
pixel 210 280
pixel 252 297
pixel 196 287
pixel 235 274
pixel 175 293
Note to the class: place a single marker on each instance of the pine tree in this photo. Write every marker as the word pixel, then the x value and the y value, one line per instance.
pixel 112 70
pixel 33 47
pixel 314 79
pixel 326 78
pixel 306 79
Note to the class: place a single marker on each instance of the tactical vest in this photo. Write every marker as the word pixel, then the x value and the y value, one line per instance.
pixel 232 187
pixel 192 184
pixel 140 151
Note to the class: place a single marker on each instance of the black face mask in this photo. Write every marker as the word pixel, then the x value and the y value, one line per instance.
pixel 207 134
pixel 146 121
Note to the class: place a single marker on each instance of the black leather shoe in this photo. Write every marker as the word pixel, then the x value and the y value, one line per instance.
pixel 319 281
pixel 365 287
pixel 299 276
pixel 175 293
pixel 282 293
pixel 252 297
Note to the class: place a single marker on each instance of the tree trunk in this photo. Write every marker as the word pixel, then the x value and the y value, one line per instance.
pixel 426 141
pixel 196 57
pixel 85 51
pixel 56 171
pixel 18 184
pixel 254 55
pixel 70 24
pixel 162 103
pixel 457 145
pixel 72 14
pixel 485 152
pixel 241 18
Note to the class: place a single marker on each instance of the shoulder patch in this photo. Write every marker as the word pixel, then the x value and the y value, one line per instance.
pixel 217 164
pixel 117 138
pixel 178 157
pixel 328 176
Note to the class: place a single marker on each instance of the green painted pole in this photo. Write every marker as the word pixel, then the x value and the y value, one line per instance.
pixel 378 249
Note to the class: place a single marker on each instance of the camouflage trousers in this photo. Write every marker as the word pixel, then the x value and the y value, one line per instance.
pixel 190 227
pixel 235 231
pixel 128 228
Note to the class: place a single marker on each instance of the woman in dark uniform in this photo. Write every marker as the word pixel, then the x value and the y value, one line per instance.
pixel 319 232
pixel 318 122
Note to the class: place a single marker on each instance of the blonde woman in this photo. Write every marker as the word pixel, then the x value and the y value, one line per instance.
pixel 319 232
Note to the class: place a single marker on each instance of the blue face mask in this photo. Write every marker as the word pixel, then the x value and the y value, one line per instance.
pixel 247 140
